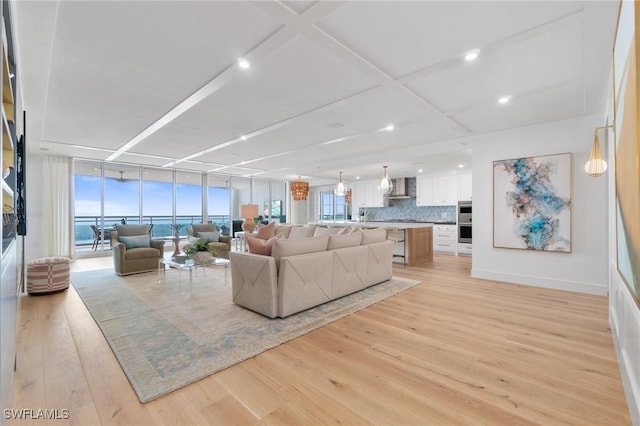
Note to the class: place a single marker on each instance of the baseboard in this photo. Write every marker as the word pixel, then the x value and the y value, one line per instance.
pixel 580 287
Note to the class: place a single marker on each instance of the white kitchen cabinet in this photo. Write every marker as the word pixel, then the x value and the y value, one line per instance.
pixel 464 249
pixel 445 238
pixel 464 186
pixel 366 194
pixel 424 190
pixel 437 190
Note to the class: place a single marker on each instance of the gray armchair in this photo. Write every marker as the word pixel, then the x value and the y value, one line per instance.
pixel 222 247
pixel 133 249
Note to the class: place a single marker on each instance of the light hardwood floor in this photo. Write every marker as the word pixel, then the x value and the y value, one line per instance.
pixel 452 350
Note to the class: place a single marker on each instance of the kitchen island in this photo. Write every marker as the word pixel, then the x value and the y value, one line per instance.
pixel 414 240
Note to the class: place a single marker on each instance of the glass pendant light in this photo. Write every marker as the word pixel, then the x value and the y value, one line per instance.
pixel 386 186
pixel 340 187
pixel 596 166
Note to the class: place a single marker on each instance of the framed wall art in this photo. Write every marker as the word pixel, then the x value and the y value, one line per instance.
pixel 532 203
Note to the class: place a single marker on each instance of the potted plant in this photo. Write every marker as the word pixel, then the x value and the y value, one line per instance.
pixel 200 250
pixel 176 229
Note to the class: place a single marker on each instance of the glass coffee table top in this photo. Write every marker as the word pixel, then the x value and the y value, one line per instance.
pixel 185 262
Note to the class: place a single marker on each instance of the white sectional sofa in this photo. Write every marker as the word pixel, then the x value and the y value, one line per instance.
pixel 305 272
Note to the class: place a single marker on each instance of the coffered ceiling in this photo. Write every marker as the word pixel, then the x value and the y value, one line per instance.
pixel 158 83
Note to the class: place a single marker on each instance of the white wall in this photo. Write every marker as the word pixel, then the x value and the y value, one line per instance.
pixel 299 211
pixel 585 269
pixel 36 234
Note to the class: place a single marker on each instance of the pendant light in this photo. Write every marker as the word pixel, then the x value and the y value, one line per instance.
pixel 386 186
pixel 299 190
pixel 340 187
pixel 596 166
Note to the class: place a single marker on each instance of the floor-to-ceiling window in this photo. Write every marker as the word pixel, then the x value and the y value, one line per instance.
pixel 218 202
pixel 262 197
pixel 110 193
pixel 188 197
pixel 332 206
pixel 157 201
pixel 87 181
pixel 121 194
pixel 279 200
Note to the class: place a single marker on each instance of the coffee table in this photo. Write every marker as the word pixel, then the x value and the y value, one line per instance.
pixel 190 265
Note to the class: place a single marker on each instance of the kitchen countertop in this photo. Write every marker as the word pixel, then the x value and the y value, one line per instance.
pixel 395 225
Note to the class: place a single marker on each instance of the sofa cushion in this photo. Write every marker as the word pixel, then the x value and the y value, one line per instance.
pixel 323 230
pixel 142 253
pixel 292 247
pixel 259 246
pixel 135 241
pixel 301 232
pixel 344 231
pixel 283 230
pixel 212 236
pixel 266 232
pixel 341 241
pixel 370 236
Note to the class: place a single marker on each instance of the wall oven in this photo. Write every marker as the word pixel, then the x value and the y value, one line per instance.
pixel 465 222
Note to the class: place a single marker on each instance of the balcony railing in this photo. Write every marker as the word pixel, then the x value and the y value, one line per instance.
pixel 161 225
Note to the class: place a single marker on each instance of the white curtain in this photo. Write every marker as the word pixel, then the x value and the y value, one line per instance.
pixel 58 205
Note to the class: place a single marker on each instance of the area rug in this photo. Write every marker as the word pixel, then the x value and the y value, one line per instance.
pixel 168 332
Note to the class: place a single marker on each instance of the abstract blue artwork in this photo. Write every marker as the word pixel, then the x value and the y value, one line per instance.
pixel 532 203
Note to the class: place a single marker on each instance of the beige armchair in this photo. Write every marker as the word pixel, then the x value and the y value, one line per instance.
pixel 222 247
pixel 133 249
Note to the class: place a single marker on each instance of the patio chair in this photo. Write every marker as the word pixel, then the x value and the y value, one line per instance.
pixel 98 236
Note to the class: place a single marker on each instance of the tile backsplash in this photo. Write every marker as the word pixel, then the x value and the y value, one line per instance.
pixel 406 209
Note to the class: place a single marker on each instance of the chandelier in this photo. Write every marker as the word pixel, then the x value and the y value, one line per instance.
pixel 299 190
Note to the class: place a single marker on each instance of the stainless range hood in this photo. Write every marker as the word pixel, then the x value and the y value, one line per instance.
pixel 400 189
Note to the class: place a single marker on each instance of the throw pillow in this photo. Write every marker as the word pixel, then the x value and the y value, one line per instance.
pixel 137 241
pixel 370 236
pixel 301 232
pixel 289 247
pixel 259 246
pixel 213 236
pixel 266 232
pixel 344 231
pixel 341 241
pixel 283 230
pixel 323 230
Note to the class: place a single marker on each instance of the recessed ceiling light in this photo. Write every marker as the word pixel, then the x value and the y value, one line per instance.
pixel 390 127
pixel 471 56
pixel 460 166
pixel 419 170
pixel 357 177
pixel 504 99
pixel 243 137
pixel 243 63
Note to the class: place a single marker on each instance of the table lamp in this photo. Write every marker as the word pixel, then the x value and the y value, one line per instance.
pixel 248 212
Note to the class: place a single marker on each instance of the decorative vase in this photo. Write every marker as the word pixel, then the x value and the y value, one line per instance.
pixel 201 257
